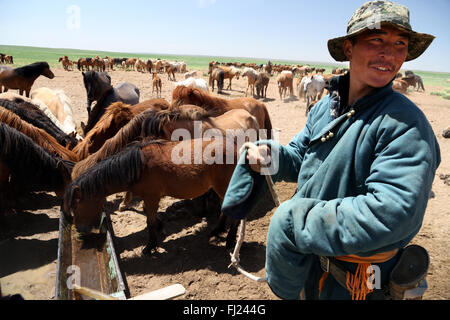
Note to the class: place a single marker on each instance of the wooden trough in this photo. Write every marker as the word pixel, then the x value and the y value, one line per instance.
pixel 89 263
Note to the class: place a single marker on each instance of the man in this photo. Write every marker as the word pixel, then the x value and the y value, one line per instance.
pixel 364 163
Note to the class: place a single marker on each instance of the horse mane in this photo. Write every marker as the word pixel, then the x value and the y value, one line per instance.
pixel 187 95
pixel 116 111
pixel 32 114
pixel 156 121
pixel 39 136
pixel 31 165
pixel 127 134
pixel 32 70
pixel 120 170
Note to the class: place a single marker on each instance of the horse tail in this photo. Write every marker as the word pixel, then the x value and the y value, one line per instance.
pixel 79 64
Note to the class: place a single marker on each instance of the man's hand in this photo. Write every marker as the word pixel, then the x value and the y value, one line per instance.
pixel 258 157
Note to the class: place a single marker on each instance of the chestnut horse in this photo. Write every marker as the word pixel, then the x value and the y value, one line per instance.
pixel 39 136
pixel 23 78
pixel 31 113
pixel 185 95
pixel 116 116
pixel 151 171
pixel 25 166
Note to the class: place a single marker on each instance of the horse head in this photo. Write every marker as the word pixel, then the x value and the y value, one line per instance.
pixel 81 210
pixel 96 85
pixel 46 71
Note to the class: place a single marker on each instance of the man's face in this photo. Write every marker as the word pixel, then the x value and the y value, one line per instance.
pixel 377 56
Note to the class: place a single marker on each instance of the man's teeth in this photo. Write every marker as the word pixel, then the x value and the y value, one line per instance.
pixel 382 68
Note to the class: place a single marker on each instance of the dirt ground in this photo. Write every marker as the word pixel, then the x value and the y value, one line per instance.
pixel 28 259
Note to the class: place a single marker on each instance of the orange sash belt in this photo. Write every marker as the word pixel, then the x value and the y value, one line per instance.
pixel 357 283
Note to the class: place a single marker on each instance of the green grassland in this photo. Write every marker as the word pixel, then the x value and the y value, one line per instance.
pixel 26 55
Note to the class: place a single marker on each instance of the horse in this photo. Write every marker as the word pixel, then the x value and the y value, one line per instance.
pixel 39 136
pixel 9 59
pixel 171 73
pixel 32 114
pixel 60 106
pixel 218 75
pixel 151 171
pixel 25 166
pixel 23 78
pixel 314 87
pixel 251 75
pixel 400 86
pixel 98 88
pixel 12 96
pixel 194 83
pixel 414 81
pixel 230 73
pixel 98 64
pixel 115 117
pixel 261 84
pixel 66 63
pixel 184 95
pixel 285 82
pixel 156 83
pixel 83 64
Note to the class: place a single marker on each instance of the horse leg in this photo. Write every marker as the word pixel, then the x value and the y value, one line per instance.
pixel 126 203
pixel 151 204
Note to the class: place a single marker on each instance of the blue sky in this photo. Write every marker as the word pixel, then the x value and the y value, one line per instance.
pixel 293 30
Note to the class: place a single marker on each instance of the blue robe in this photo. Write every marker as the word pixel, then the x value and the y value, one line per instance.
pixel 362 190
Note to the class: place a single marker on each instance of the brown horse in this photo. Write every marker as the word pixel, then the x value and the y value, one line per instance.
pixel 23 78
pixel 187 95
pixel 171 73
pixel 39 136
pixel 25 166
pixel 217 75
pixel 151 171
pixel 116 116
pixel 414 81
pixel 162 124
pixel 157 83
pixel 66 63
pixel 84 64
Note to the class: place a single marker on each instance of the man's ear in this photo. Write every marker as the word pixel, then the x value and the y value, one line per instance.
pixel 348 49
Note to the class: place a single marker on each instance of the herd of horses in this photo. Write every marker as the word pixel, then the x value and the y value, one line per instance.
pixel 125 146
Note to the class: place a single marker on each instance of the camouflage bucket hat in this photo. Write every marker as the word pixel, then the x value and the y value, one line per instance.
pixel 374 14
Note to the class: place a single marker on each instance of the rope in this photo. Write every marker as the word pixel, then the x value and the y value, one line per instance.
pixel 235 255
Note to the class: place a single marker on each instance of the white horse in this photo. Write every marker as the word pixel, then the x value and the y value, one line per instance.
pixel 191 74
pixel 11 96
pixel 314 87
pixel 59 106
pixel 251 75
pixel 193 82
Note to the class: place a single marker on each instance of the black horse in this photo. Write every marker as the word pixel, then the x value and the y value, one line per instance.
pixel 98 88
